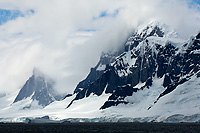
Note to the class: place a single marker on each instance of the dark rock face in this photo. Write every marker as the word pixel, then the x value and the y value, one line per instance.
pixel 97 71
pixel 38 88
pixel 143 61
pixel 118 96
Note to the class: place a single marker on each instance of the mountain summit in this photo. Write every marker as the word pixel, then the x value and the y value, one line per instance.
pixel 152 29
pixel 153 61
pixel 39 89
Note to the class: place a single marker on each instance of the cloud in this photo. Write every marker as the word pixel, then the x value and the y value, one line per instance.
pixel 63 39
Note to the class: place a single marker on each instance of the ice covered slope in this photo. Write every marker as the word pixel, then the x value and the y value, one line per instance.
pixel 39 89
pixel 181 105
pixel 171 61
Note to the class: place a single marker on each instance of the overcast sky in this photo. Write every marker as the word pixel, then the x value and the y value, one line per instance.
pixel 64 38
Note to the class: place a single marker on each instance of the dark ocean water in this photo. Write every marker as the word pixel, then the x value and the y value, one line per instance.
pixel 101 128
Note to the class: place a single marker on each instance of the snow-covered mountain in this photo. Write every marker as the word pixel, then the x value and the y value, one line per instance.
pixel 155 64
pixel 154 77
pixel 39 89
pixel 136 64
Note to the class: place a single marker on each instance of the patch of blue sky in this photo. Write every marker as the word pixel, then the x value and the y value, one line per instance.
pixel 31 11
pixel 101 15
pixel 6 15
pixel 194 3
pixel 106 14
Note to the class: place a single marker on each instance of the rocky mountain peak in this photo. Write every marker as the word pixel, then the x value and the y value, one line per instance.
pixel 154 28
pixel 149 56
pixel 38 88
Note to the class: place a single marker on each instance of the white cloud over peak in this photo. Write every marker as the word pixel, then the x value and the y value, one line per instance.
pixel 53 39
